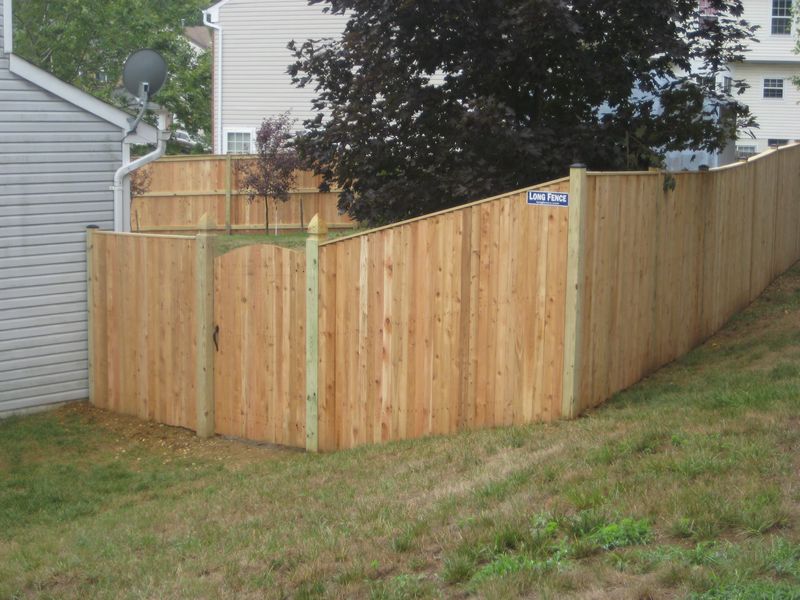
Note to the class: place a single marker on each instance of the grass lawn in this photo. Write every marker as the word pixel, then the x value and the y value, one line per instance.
pixel 687 485
pixel 296 241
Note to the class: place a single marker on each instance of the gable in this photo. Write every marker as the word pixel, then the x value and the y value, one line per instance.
pixel 146 134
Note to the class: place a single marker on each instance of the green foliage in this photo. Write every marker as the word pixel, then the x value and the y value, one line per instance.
pixel 626 532
pixel 86 43
pixel 507 564
pixel 426 105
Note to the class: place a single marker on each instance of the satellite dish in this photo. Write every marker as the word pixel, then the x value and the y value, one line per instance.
pixel 144 74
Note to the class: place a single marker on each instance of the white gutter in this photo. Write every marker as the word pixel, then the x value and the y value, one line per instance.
pixel 8 30
pixel 211 19
pixel 120 209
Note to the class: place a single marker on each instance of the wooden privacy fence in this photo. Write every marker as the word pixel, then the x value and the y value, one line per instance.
pixel 496 313
pixel 180 190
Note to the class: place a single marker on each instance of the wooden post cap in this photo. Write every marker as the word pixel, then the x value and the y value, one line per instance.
pixel 206 222
pixel 318 227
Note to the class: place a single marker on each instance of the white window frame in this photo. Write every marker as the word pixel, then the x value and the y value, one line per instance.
pixel 228 130
pixel 778 14
pixel 766 87
pixel 745 151
pixel 777 142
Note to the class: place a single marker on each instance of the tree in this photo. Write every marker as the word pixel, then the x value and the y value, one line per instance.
pixel 272 173
pixel 86 43
pixel 425 105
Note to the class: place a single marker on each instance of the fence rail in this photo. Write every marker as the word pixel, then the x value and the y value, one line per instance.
pixel 180 190
pixel 494 313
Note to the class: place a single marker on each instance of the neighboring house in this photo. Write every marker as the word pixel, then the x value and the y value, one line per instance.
pixel 199 38
pixel 59 150
pixel 251 61
pixel 769 68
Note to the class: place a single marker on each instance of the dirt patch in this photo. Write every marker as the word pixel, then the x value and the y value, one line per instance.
pixel 127 432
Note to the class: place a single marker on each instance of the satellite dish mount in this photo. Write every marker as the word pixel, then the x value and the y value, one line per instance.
pixel 144 74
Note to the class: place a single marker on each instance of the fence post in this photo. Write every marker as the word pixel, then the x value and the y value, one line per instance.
pixel 204 327
pixel 570 406
pixel 228 192
pixel 90 229
pixel 317 232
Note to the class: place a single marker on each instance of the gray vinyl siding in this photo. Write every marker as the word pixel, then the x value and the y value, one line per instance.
pixel 57 165
pixel 255 83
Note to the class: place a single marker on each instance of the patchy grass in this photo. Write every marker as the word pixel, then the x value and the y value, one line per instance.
pixel 295 241
pixel 686 485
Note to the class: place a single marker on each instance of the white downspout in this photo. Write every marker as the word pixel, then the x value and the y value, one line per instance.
pixel 217 91
pixel 120 210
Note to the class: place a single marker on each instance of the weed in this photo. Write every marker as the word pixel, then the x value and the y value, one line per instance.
pixel 783 559
pixel 458 568
pixel 627 532
pixel 506 564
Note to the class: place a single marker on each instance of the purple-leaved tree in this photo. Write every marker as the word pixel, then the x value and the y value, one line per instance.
pixel 272 174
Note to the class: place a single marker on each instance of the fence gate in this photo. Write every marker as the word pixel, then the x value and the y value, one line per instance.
pixel 259 362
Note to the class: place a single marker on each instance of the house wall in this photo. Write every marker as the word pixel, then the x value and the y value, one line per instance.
pixel 772 57
pixel 255 83
pixel 778 118
pixel 770 47
pixel 57 164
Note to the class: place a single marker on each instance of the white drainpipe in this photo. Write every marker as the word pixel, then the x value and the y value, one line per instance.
pixel 217 87
pixel 119 177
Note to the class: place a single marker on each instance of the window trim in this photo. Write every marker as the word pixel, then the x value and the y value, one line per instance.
pixel 773 87
pixel 777 142
pixel 745 151
pixel 774 18
pixel 228 130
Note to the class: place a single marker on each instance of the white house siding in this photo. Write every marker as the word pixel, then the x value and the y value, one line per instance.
pixel 772 57
pixel 255 83
pixel 778 118
pixel 770 47
pixel 56 167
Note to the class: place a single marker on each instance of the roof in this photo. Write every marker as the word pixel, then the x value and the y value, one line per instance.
pixel 199 35
pixel 212 12
pixel 145 134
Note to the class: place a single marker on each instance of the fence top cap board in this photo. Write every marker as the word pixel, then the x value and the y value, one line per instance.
pixel 143 235
pixel 448 210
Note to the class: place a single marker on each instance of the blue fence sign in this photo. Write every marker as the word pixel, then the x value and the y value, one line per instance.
pixel 548 198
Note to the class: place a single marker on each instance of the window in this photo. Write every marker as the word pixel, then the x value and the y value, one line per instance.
pixel 238 142
pixel 773 88
pixel 744 152
pixel 727 85
pixel 781 17
pixel 775 143
pixel 708 14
